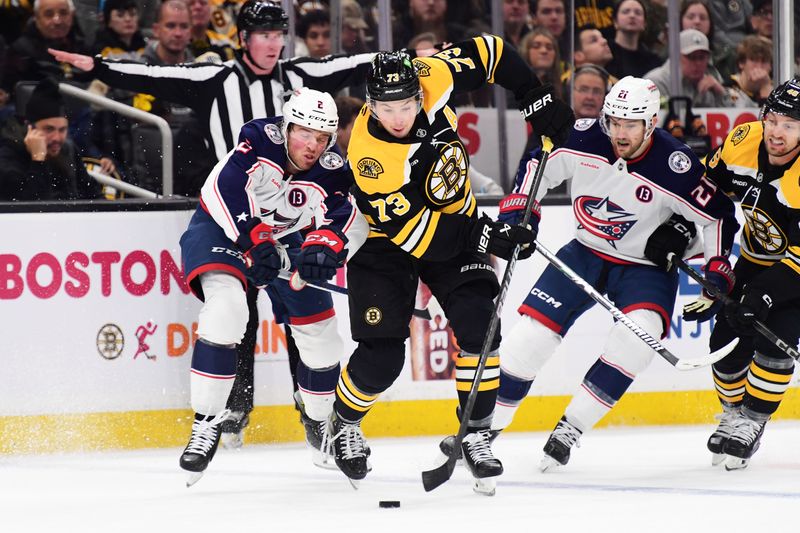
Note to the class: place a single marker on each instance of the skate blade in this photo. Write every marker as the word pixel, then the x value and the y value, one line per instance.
pixel 736 463
pixel 717 459
pixel 485 486
pixel 548 464
pixel 192 478
pixel 355 483
pixel 231 441
pixel 323 460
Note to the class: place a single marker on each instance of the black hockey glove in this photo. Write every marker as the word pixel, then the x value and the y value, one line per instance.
pixel 499 238
pixel 754 304
pixel 260 254
pixel 673 236
pixel 719 273
pixel 321 254
pixel 547 114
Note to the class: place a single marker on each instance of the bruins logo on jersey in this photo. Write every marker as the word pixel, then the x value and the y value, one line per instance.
pixel 764 230
pixel 369 168
pixel 448 175
pixel 423 70
pixel 740 133
pixel 714 159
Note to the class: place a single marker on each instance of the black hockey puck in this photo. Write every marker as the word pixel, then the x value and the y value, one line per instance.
pixel 388 504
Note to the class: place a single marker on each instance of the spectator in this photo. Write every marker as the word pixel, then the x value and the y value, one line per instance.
pixel 539 49
pixel 37 161
pixel 354 37
pixel 314 30
pixel 630 56
pixel 52 26
pixel 216 34
pixel 516 17
pixel 700 81
pixel 348 108
pixel 121 37
pixel 695 14
pixel 429 16
pixel 730 20
pixel 752 84
pixel 589 89
pixel 171 35
pixel 591 47
pixel 761 19
pixel 552 15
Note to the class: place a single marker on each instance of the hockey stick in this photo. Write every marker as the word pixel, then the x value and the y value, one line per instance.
pixel 435 477
pixel 680 364
pixel 424 314
pixel 715 293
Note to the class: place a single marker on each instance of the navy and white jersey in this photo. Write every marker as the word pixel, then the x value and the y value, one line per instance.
pixel 250 181
pixel 227 96
pixel 618 203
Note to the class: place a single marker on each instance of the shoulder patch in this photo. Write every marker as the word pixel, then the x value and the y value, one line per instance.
pixel 331 160
pixel 422 69
pixel 583 124
pixel 740 133
pixel 274 133
pixel 369 168
pixel 679 162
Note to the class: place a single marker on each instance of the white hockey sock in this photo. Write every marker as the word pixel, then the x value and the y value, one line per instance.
pixel 503 415
pixel 585 410
pixel 318 406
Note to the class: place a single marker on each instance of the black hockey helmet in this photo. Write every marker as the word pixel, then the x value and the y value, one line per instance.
pixel 262 15
pixel 784 100
pixel 392 76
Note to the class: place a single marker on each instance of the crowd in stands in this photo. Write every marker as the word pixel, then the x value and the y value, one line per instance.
pixel 725 61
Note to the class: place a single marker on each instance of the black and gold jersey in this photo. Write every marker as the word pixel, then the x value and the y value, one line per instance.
pixel 770 202
pixel 415 190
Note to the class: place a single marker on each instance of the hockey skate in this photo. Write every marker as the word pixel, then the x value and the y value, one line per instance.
pixel 232 437
pixel 345 442
pixel 447 444
pixel 743 442
pixel 721 435
pixel 558 446
pixel 315 437
pixel 476 449
pixel 202 445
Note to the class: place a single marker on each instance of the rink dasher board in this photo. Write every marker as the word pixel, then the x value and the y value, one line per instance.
pixel 97 334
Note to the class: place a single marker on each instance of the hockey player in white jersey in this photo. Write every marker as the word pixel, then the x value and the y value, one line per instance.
pixel 285 175
pixel 631 183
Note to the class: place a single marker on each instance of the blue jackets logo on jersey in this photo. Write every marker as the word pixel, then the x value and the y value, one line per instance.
pixel 602 218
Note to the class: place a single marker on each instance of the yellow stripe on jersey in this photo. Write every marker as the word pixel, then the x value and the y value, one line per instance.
pixel 436 81
pixel 752 259
pixel 427 237
pixel 790 188
pixel 403 234
pixel 792 259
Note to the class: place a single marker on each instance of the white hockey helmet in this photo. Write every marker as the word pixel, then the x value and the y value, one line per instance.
pixel 311 109
pixel 632 98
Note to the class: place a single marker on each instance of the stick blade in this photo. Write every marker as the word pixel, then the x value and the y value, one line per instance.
pixel 439 475
pixel 706 360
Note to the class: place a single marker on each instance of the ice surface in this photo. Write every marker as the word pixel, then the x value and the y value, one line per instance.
pixel 632 479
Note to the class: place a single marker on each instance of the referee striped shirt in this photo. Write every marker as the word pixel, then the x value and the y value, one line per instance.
pixel 226 96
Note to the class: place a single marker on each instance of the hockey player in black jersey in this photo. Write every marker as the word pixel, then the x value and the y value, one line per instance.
pixel 758 163
pixel 412 185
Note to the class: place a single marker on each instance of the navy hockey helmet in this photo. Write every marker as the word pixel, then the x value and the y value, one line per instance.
pixel 262 15
pixel 784 100
pixel 392 76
